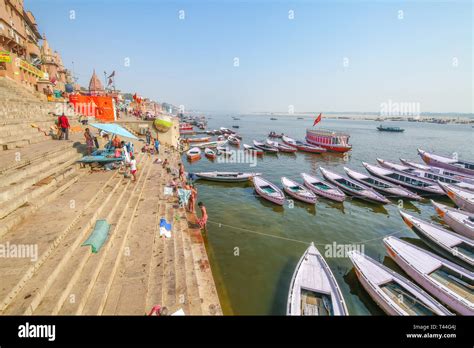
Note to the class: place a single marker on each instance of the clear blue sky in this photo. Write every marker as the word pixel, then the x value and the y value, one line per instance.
pixel 283 62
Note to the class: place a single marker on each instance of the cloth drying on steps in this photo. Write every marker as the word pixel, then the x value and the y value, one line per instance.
pixel 98 236
pixel 183 196
pixel 165 228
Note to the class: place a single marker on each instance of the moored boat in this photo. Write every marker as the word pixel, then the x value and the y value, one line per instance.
pixel 298 191
pixel 461 248
pixel 281 147
pixel 443 279
pixel 395 294
pixel 463 199
pixel 288 141
pixel 233 140
pixel 268 190
pixel 438 170
pixel 193 154
pixel 456 165
pixel 460 221
pixel 226 176
pixel 253 149
pixel 328 139
pixel 323 188
pixel 211 144
pixel 274 135
pixel 305 147
pixel 198 140
pixel 264 147
pixel 209 153
pixel 353 188
pixel 314 289
pixel 382 185
pixel 404 179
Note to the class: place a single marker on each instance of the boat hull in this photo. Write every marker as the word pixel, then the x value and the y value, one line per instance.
pixel 430 160
pixel 335 194
pixel 456 196
pixel 455 220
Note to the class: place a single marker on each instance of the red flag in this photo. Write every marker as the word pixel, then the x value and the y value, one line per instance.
pixel 317 120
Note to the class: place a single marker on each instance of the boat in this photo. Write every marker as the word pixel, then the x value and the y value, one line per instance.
pixel 298 191
pixel 462 248
pixel 443 279
pixel 275 135
pixel 198 140
pixel 264 147
pixel 253 149
pixel 288 141
pixel 281 147
pixel 353 188
pixel 395 294
pixel 194 154
pixel 328 139
pixel 425 174
pixel 323 188
pixel 226 130
pixel 460 221
pixel 225 151
pixel 233 140
pixel 404 179
pixel 463 199
pixel 185 126
pixel 301 146
pixel 273 118
pixel 211 144
pixel 209 153
pixel 235 126
pixel 456 165
pixel 226 176
pixel 382 185
pixel 314 289
pixel 269 191
pixel 440 171
pixel 390 129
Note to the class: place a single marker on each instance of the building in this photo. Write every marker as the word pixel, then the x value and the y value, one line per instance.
pixel 53 67
pixel 95 86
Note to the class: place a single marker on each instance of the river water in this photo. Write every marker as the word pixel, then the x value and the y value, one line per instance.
pixel 251 267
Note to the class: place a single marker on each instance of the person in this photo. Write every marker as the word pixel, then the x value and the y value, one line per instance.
pixel 181 172
pixel 157 146
pixel 203 220
pixel 89 141
pixel 116 142
pixel 133 168
pixel 165 163
pixel 148 136
pixel 192 199
pixel 63 123
pixel 125 153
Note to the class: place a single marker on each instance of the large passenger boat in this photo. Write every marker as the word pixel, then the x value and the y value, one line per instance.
pixel 330 140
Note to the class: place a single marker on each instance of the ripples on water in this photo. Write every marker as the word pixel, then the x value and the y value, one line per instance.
pixel 256 280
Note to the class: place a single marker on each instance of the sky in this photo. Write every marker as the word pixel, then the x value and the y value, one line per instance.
pixel 260 56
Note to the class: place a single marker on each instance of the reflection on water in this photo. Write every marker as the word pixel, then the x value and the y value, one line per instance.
pixel 256 281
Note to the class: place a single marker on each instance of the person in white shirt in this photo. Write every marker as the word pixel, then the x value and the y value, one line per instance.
pixel 133 168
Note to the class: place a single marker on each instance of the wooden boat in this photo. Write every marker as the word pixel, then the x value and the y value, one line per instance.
pixel 224 151
pixel 395 294
pixel 298 191
pixel 460 247
pixel 427 175
pixel 264 147
pixel 211 144
pixel 274 135
pixel 226 176
pixel 269 191
pixel 209 153
pixel 460 221
pixel 273 118
pixel 456 165
pixel 253 149
pixel 314 289
pixel 463 199
pixel 226 130
pixel 235 126
pixel 198 140
pixel 185 126
pixel 302 146
pixel 440 171
pixel 194 154
pixel 233 140
pixel 382 185
pixel 353 188
pixel 330 140
pixel 281 147
pixel 323 188
pixel 390 129
pixel 288 141
pixel 443 279
pixel 404 179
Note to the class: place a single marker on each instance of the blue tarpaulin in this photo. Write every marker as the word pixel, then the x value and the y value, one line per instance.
pixel 113 128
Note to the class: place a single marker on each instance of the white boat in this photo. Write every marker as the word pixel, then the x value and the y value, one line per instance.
pixel 211 144
pixel 440 171
pixel 226 176
pixel 463 199
pixel 461 248
pixel 298 191
pixel 456 165
pixel 288 141
pixel 253 149
pixel 281 147
pixel 268 190
pixel 194 154
pixel 265 147
pixel 209 153
pixel 353 188
pixel 395 294
pixel 233 140
pixel 450 283
pixel 314 289
pixel 323 188
pixel 460 221
pixel 404 179
pixel 382 185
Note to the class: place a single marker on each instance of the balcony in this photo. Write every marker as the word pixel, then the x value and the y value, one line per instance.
pixel 32 49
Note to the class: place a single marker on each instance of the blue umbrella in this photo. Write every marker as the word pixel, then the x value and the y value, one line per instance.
pixel 113 128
